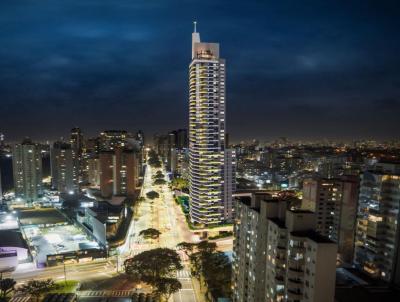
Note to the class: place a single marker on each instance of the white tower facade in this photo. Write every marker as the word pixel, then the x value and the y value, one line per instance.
pixel 208 167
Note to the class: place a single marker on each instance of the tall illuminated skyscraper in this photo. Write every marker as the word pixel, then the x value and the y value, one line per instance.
pixel 210 171
pixel 27 169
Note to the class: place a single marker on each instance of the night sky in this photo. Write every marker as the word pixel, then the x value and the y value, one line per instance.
pixel 300 69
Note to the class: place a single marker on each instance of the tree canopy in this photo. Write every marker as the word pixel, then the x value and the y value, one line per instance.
pixel 187 247
pixel 154 159
pixel 6 287
pixel 158 268
pixel 159 182
pixel 152 195
pixel 167 286
pixel 150 233
pixel 153 264
pixel 214 266
pixel 37 288
pixel 179 183
pixel 159 174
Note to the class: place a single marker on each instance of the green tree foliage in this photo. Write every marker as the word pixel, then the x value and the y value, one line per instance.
pixel 212 265
pixel 206 247
pixel 159 182
pixel 159 175
pixel 165 287
pixel 152 195
pixel 179 184
pixel 156 267
pixel 187 247
pixel 6 287
pixel 154 160
pixel 150 233
pixel 217 272
pixel 37 288
pixel 154 264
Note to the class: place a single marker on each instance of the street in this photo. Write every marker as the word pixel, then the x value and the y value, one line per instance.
pixel 161 213
pixel 164 215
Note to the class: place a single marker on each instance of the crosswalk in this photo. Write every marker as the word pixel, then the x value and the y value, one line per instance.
pixel 20 298
pixel 183 274
pixel 106 293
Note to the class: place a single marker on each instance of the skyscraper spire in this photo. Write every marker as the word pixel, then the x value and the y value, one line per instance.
pixel 195 37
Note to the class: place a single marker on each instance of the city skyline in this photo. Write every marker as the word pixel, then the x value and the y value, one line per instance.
pixel 258 161
pixel 295 66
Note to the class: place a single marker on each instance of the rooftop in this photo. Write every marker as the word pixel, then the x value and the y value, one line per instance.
pixel 312 235
pixel 279 222
pixel 43 216
pixel 12 238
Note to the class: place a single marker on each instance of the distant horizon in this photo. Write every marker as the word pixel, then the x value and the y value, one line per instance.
pixel 149 138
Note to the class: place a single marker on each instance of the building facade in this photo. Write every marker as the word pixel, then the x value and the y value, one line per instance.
pixel 63 168
pixel 334 201
pixel 377 236
pixel 111 139
pixel 207 147
pixel 118 172
pixel 27 170
pixel 278 255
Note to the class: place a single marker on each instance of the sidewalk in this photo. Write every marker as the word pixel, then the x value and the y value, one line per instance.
pixel 200 295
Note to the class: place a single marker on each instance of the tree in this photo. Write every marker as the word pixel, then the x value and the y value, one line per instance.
pixel 152 195
pixel 212 265
pixel 165 287
pixel 37 288
pixel 206 247
pixel 217 273
pixel 159 175
pixel 150 233
pixel 187 247
pixel 159 182
pixel 180 183
pixel 154 160
pixel 6 287
pixel 152 265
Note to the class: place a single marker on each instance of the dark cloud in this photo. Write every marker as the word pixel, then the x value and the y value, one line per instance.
pixel 298 69
pixel 387 104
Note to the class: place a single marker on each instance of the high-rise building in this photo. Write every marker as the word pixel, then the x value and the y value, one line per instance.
pixel 27 170
pixel 277 254
pixel 2 140
pixel 177 151
pixel 111 139
pixel 334 201
pixel 77 145
pixel 249 246
pixel 161 143
pixel 181 138
pixel 140 138
pixel 377 250
pixel 118 172
pixel 63 178
pixel 77 140
pixel 207 166
pixel 106 173
pixel 125 171
pixel 93 167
